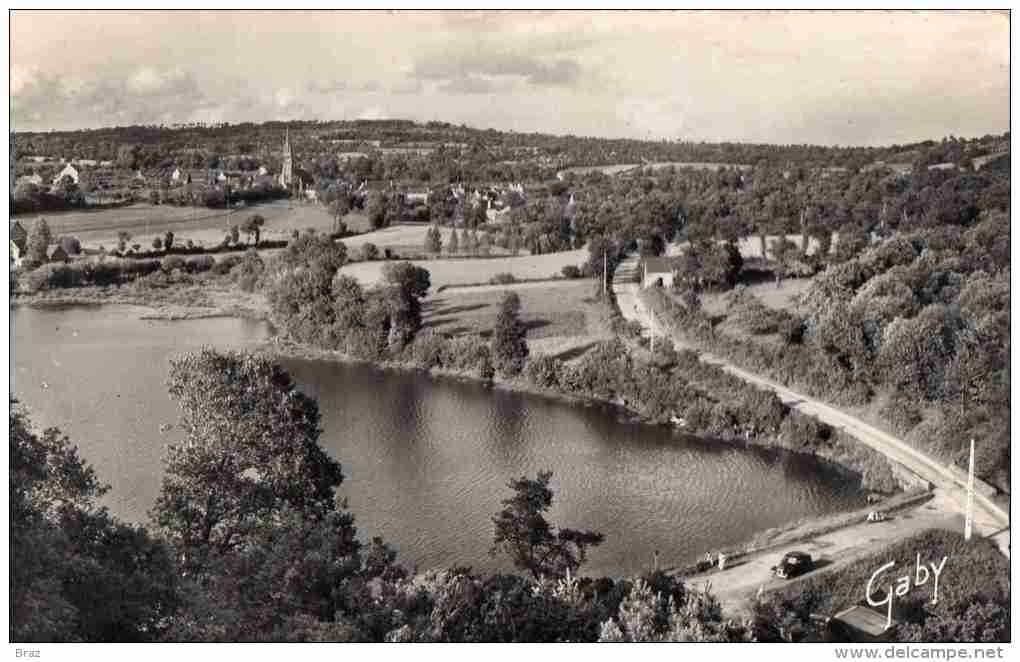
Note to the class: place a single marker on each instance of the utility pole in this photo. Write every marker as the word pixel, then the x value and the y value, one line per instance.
pixel 968 526
pixel 605 272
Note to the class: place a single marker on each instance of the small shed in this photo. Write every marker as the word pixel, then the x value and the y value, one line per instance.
pixel 658 271
pixel 58 254
pixel 860 624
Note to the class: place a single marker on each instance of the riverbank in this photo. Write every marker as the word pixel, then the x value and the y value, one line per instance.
pixel 214 296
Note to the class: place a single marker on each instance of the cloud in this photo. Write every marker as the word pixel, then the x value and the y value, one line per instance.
pixel 374 113
pixel 409 86
pixel 146 95
pixel 149 81
pixel 470 85
pixel 460 69
pixel 336 86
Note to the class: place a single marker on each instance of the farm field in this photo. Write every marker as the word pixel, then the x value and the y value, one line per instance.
pixel 408 239
pixel 471 271
pixel 203 226
pixel 607 169
pixel 659 165
pixel 562 318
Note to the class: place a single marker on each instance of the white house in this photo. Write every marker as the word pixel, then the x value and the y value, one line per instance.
pixel 68 171
pixel 657 271
pixel 415 197
pixel 176 175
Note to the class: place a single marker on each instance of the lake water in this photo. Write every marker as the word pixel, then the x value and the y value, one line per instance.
pixel 426 459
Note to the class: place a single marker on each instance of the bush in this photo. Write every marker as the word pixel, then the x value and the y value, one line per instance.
pixel 427 349
pixel 465 353
pixel 199 263
pixel 249 270
pixel 369 251
pixel 571 271
pixel 171 263
pixel 226 264
pixel 543 371
pixel 502 279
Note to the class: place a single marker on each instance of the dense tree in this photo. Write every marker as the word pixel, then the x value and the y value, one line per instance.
pixel 39 239
pixel 532 543
pixel 408 285
pixel 253 227
pixel 250 451
pixel 509 344
pixel 300 294
pixel 433 240
pixel 77 574
pixel 377 208
pixel 71 245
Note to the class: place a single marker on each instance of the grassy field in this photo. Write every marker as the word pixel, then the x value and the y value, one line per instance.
pixel 470 271
pixel 778 298
pixel 203 226
pixel 562 318
pixel 408 239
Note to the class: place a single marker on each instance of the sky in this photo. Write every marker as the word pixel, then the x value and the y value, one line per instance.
pixel 832 78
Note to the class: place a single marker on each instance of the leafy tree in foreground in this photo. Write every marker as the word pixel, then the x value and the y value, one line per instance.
pixel 522 532
pixel 250 451
pixel 77 574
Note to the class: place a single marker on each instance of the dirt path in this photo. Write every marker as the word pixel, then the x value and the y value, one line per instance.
pixel 740 581
pixel 989 519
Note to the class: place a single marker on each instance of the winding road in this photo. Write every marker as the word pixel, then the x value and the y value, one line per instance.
pixel 990 520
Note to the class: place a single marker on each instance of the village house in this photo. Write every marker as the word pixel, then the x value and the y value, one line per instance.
pixel 16 254
pixel 416 197
pixel 658 271
pixel 68 171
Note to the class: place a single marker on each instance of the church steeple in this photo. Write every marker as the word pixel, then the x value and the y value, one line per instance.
pixel 287 173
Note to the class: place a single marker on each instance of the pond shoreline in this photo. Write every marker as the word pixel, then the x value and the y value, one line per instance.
pixel 272 345
pixel 284 348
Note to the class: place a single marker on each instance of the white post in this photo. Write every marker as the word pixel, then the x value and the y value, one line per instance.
pixel 651 330
pixel 968 526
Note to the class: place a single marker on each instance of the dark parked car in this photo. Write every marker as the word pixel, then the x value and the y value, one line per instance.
pixel 793 564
